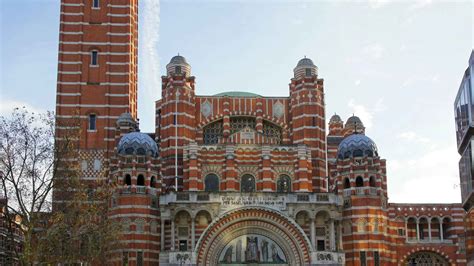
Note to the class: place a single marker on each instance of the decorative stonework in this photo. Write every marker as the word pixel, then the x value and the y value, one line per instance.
pixel 278 110
pixel 206 108
pixel 295 246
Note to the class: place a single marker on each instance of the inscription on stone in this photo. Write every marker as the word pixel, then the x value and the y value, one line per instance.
pixel 247 135
pixel 272 202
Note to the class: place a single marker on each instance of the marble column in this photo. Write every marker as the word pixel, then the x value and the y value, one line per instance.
pixel 417 230
pixel 193 234
pixel 173 242
pixel 332 240
pixel 429 229
pixel 313 234
pixel 162 235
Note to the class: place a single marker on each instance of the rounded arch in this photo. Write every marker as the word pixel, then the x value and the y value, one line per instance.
pixel 128 180
pixel 153 181
pixel 256 222
pixel 347 183
pixel 359 181
pixel 211 182
pixel 302 218
pixel 203 217
pixel 284 184
pixel 140 180
pixel 426 257
pixel 372 181
pixel 247 183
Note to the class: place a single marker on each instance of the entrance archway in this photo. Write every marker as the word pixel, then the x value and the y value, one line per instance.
pixel 253 235
pixel 426 258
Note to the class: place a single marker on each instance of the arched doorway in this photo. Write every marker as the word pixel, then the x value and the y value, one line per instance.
pixel 253 236
pixel 426 258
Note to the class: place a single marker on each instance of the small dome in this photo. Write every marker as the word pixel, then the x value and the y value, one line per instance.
pixel 178 66
pixel 125 118
pixel 357 145
pixel 137 143
pixel 335 119
pixel 354 120
pixel 178 59
pixel 306 62
pixel 305 68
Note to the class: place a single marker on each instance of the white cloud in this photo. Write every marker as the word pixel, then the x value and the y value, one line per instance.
pixel 366 114
pixel 149 78
pixel 412 136
pixel 375 4
pixel 8 105
pixel 374 50
pixel 420 4
pixel 433 177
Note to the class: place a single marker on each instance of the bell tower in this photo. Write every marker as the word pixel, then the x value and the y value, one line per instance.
pixel 97 76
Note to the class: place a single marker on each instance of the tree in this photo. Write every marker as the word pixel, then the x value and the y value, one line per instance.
pixel 37 155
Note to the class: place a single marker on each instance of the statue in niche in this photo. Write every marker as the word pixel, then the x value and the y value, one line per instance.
pixel 238 251
pixel 264 248
pixel 251 252
pixel 228 255
pixel 275 257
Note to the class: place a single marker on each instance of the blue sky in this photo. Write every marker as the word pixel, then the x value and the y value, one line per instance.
pixel 396 64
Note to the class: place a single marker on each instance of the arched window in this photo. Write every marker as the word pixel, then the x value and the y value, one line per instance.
pixel 177 69
pixel 92 122
pixel 95 3
pixel 372 181
pixel 152 181
pixel 359 181
pixel 140 180
pixel 347 183
pixel 211 183
pixel 94 58
pixel 128 180
pixel 284 184
pixel 247 183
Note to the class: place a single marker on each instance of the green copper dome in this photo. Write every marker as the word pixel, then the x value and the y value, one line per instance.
pixel 237 94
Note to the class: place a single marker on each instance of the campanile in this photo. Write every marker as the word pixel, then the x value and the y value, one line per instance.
pixel 97 73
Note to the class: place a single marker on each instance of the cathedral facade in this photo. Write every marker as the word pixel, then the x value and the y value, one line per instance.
pixel 234 178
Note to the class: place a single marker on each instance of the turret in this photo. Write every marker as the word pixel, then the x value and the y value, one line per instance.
pixel 307 113
pixel 361 181
pixel 176 121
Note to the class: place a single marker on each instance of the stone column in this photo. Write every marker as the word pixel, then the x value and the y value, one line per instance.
pixel 441 231
pixel 313 234
pixel 429 229
pixel 173 242
pixel 406 230
pixel 340 246
pixel 162 235
pixel 193 234
pixel 417 230
pixel 332 240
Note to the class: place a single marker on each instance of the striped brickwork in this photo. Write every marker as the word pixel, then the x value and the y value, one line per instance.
pixel 307 111
pixel 108 88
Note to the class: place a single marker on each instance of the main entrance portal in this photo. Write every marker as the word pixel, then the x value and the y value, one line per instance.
pixel 253 236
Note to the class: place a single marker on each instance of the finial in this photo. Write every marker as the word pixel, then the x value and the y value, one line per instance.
pixel 305 56
pixel 178 54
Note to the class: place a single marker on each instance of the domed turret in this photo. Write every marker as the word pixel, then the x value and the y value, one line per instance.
pixel 335 119
pixel 137 143
pixel 178 66
pixel 357 145
pixel 305 68
pixel 354 125
pixel 126 119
